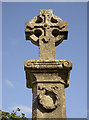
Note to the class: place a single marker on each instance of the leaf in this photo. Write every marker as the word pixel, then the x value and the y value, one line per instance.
pixel 18 109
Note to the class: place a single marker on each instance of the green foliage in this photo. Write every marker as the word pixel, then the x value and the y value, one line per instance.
pixel 13 115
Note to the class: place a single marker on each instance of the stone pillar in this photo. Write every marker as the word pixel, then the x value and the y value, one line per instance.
pixel 48 77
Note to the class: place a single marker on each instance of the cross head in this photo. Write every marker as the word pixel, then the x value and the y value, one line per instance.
pixel 46 31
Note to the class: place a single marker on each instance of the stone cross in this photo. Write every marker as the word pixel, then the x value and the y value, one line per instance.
pixel 48 77
pixel 46 31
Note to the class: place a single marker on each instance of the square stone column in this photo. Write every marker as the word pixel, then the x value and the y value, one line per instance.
pixel 48 81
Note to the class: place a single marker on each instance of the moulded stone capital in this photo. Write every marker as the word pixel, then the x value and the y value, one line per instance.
pixel 57 71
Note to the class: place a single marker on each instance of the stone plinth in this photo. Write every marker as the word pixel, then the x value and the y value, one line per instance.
pixel 48 80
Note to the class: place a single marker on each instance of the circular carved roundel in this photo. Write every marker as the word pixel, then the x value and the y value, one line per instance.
pixel 45 26
pixel 48 100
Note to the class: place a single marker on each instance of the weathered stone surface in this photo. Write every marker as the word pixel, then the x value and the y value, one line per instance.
pixel 47 76
pixel 46 31
pixel 49 100
pixel 48 80
pixel 46 71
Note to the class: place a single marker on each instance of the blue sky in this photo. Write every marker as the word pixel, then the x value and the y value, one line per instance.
pixel 16 50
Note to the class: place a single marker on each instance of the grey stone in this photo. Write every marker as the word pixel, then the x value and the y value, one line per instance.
pixel 48 77
pixel 46 31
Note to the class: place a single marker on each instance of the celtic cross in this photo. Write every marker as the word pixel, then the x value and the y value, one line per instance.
pixel 47 76
pixel 46 31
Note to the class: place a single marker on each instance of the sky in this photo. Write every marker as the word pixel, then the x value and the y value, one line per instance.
pixel 16 50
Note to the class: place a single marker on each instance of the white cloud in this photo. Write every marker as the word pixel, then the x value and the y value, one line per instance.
pixel 9 83
pixel 24 109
